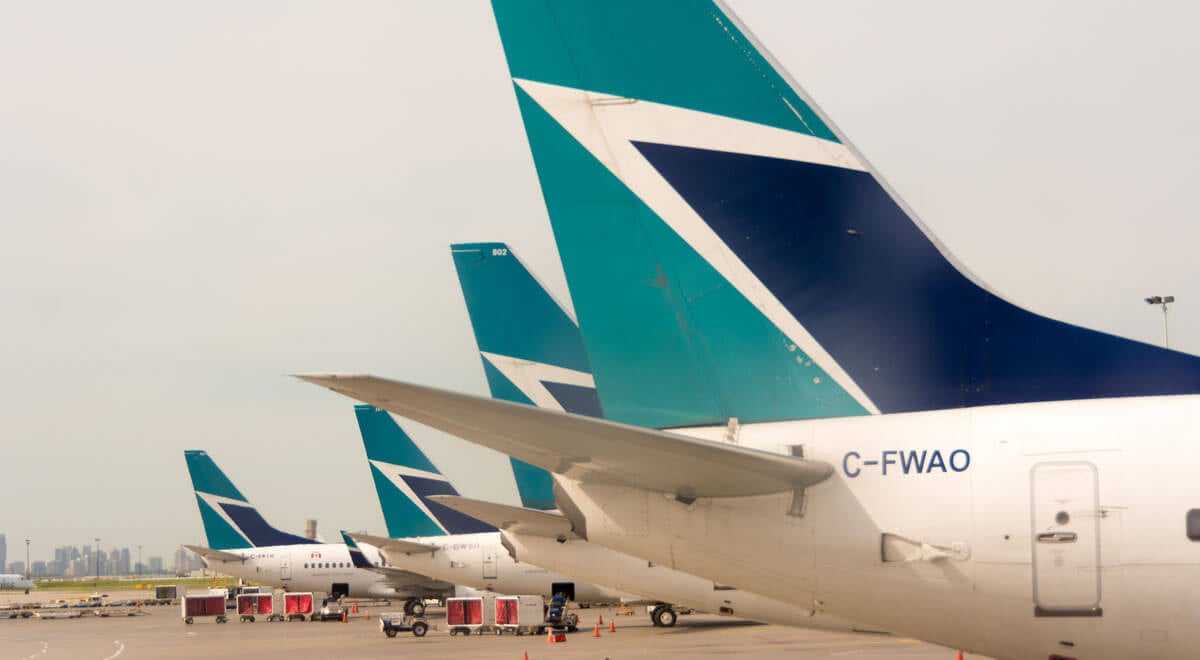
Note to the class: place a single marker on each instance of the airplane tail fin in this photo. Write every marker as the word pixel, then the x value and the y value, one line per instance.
pixel 405 479
pixel 731 255
pixel 356 554
pixel 230 520
pixel 531 347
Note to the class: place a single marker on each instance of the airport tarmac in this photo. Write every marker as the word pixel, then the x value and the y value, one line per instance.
pixel 159 633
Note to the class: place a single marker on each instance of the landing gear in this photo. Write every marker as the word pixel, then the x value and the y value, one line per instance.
pixel 664 616
pixel 414 607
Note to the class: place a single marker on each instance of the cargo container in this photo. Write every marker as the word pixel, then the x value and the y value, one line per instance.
pixel 520 615
pixel 165 594
pixel 301 605
pixel 252 606
pixel 202 606
pixel 473 614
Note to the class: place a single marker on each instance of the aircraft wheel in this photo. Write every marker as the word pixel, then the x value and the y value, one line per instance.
pixel 189 621
pixel 667 617
pixel 420 628
pixel 417 609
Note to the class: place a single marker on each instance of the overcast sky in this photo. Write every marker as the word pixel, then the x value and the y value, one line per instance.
pixel 198 199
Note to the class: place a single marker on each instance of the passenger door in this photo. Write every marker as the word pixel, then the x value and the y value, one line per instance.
pixel 285 567
pixel 1066 539
pixel 489 562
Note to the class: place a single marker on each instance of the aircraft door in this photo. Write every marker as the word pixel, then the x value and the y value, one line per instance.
pixel 285 567
pixel 1066 539
pixel 489 562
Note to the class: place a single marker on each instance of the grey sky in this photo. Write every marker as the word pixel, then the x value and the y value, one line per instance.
pixel 198 200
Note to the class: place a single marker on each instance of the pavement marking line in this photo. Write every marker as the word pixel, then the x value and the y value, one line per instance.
pixel 45 647
pixel 119 650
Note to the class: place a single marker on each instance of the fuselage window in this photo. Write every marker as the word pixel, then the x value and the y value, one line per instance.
pixel 1193 524
pixel 306 565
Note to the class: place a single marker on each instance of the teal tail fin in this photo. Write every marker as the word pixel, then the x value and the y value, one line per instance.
pixel 230 520
pixel 531 348
pixel 405 479
pixel 730 255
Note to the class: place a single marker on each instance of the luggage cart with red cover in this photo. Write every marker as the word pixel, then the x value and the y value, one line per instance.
pixel 298 606
pixel 252 606
pixel 473 614
pixel 520 615
pixel 193 607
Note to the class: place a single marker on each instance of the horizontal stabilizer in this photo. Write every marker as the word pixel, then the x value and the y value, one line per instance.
pixel 215 555
pixel 398 546
pixel 515 519
pixel 587 449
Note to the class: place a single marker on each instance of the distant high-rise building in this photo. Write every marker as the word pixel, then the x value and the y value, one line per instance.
pixel 3 551
pixel 126 565
pixel 40 569
pixel 17 567
pixel 156 564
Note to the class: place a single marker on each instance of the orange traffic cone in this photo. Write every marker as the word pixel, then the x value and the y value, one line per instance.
pixel 959 656
pixel 343 616
pixel 368 611
pixel 612 625
pixel 526 656
pixel 600 620
pixel 596 631
pixel 550 637
pixel 354 608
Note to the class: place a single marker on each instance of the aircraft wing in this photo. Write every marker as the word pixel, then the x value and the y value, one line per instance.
pixel 403 580
pixel 585 448
pixel 215 555
pixel 515 519
pixel 399 546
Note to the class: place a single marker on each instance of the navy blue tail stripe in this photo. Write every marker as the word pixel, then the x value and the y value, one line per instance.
pixel 576 399
pixel 252 524
pixel 455 522
pixel 911 330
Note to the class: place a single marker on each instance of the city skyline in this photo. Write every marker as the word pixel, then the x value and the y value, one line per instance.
pixel 86 560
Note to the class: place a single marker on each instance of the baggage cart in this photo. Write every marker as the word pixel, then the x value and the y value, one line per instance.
pixel 392 623
pixel 520 615
pixel 212 605
pixel 165 594
pixel 473 614
pixel 252 606
pixel 297 606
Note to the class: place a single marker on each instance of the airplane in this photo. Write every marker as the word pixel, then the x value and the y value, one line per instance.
pixel 16 582
pixel 448 545
pixel 243 544
pixel 872 432
pixel 532 353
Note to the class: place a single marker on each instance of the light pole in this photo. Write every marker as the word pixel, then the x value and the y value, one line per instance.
pixel 1164 301
pixel 27 566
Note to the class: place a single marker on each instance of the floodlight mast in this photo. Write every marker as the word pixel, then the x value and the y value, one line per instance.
pixel 1163 301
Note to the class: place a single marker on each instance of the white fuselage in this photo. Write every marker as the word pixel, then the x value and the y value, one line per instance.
pixel 481 562
pixel 1013 531
pixel 628 573
pixel 310 567
pixel 16 582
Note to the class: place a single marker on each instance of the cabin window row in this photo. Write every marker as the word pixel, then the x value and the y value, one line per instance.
pixel 328 564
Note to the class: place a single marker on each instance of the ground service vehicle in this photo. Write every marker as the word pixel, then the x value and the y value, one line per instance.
pixel 392 623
